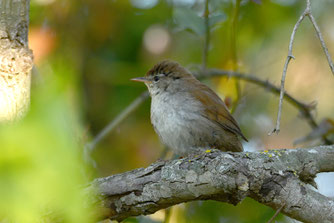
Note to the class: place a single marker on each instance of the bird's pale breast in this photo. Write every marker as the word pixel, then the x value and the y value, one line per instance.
pixel 178 121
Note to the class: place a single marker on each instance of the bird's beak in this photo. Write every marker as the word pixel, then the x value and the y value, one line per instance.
pixel 141 79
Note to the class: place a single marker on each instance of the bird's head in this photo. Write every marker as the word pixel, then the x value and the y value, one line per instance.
pixel 164 76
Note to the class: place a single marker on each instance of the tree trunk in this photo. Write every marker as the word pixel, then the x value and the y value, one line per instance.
pixel 16 59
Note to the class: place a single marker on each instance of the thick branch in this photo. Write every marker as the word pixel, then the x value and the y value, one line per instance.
pixel 272 178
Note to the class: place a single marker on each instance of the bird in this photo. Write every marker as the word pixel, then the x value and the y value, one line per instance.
pixel 187 115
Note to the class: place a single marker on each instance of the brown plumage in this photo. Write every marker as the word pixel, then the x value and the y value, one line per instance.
pixel 188 115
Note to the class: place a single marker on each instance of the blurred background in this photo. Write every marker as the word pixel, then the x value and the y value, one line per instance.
pixel 87 51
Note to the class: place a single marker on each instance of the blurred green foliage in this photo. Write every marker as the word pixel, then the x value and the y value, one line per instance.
pixel 85 53
pixel 41 168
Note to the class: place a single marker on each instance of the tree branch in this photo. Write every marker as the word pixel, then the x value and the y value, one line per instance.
pixel 323 45
pixel 272 178
pixel 288 58
pixel 116 121
pixel 206 36
pixel 304 109
pixel 234 56
pixel 275 215
pixel 307 12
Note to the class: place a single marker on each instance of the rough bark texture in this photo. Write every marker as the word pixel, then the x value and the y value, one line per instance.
pixel 16 59
pixel 274 178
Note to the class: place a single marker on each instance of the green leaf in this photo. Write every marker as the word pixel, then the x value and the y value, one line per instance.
pixel 218 17
pixel 187 19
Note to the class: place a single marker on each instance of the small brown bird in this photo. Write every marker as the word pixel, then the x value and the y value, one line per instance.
pixel 186 114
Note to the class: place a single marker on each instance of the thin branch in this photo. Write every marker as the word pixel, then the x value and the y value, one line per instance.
pixel 275 215
pixel 206 37
pixel 305 109
pixel 234 56
pixel 324 47
pixel 269 177
pixel 234 23
pixel 307 12
pixel 119 118
pixel 289 57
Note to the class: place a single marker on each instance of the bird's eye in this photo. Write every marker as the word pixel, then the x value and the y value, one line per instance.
pixel 156 78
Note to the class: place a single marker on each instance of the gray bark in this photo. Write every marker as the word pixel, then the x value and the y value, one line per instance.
pixel 274 178
pixel 16 59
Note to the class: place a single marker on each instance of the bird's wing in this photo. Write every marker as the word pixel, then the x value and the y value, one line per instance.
pixel 215 108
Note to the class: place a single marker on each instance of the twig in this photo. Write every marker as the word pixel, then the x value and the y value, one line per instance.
pixel 289 57
pixel 307 12
pixel 234 23
pixel 317 30
pixel 207 36
pixel 234 56
pixel 276 213
pixel 305 109
pixel 119 118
